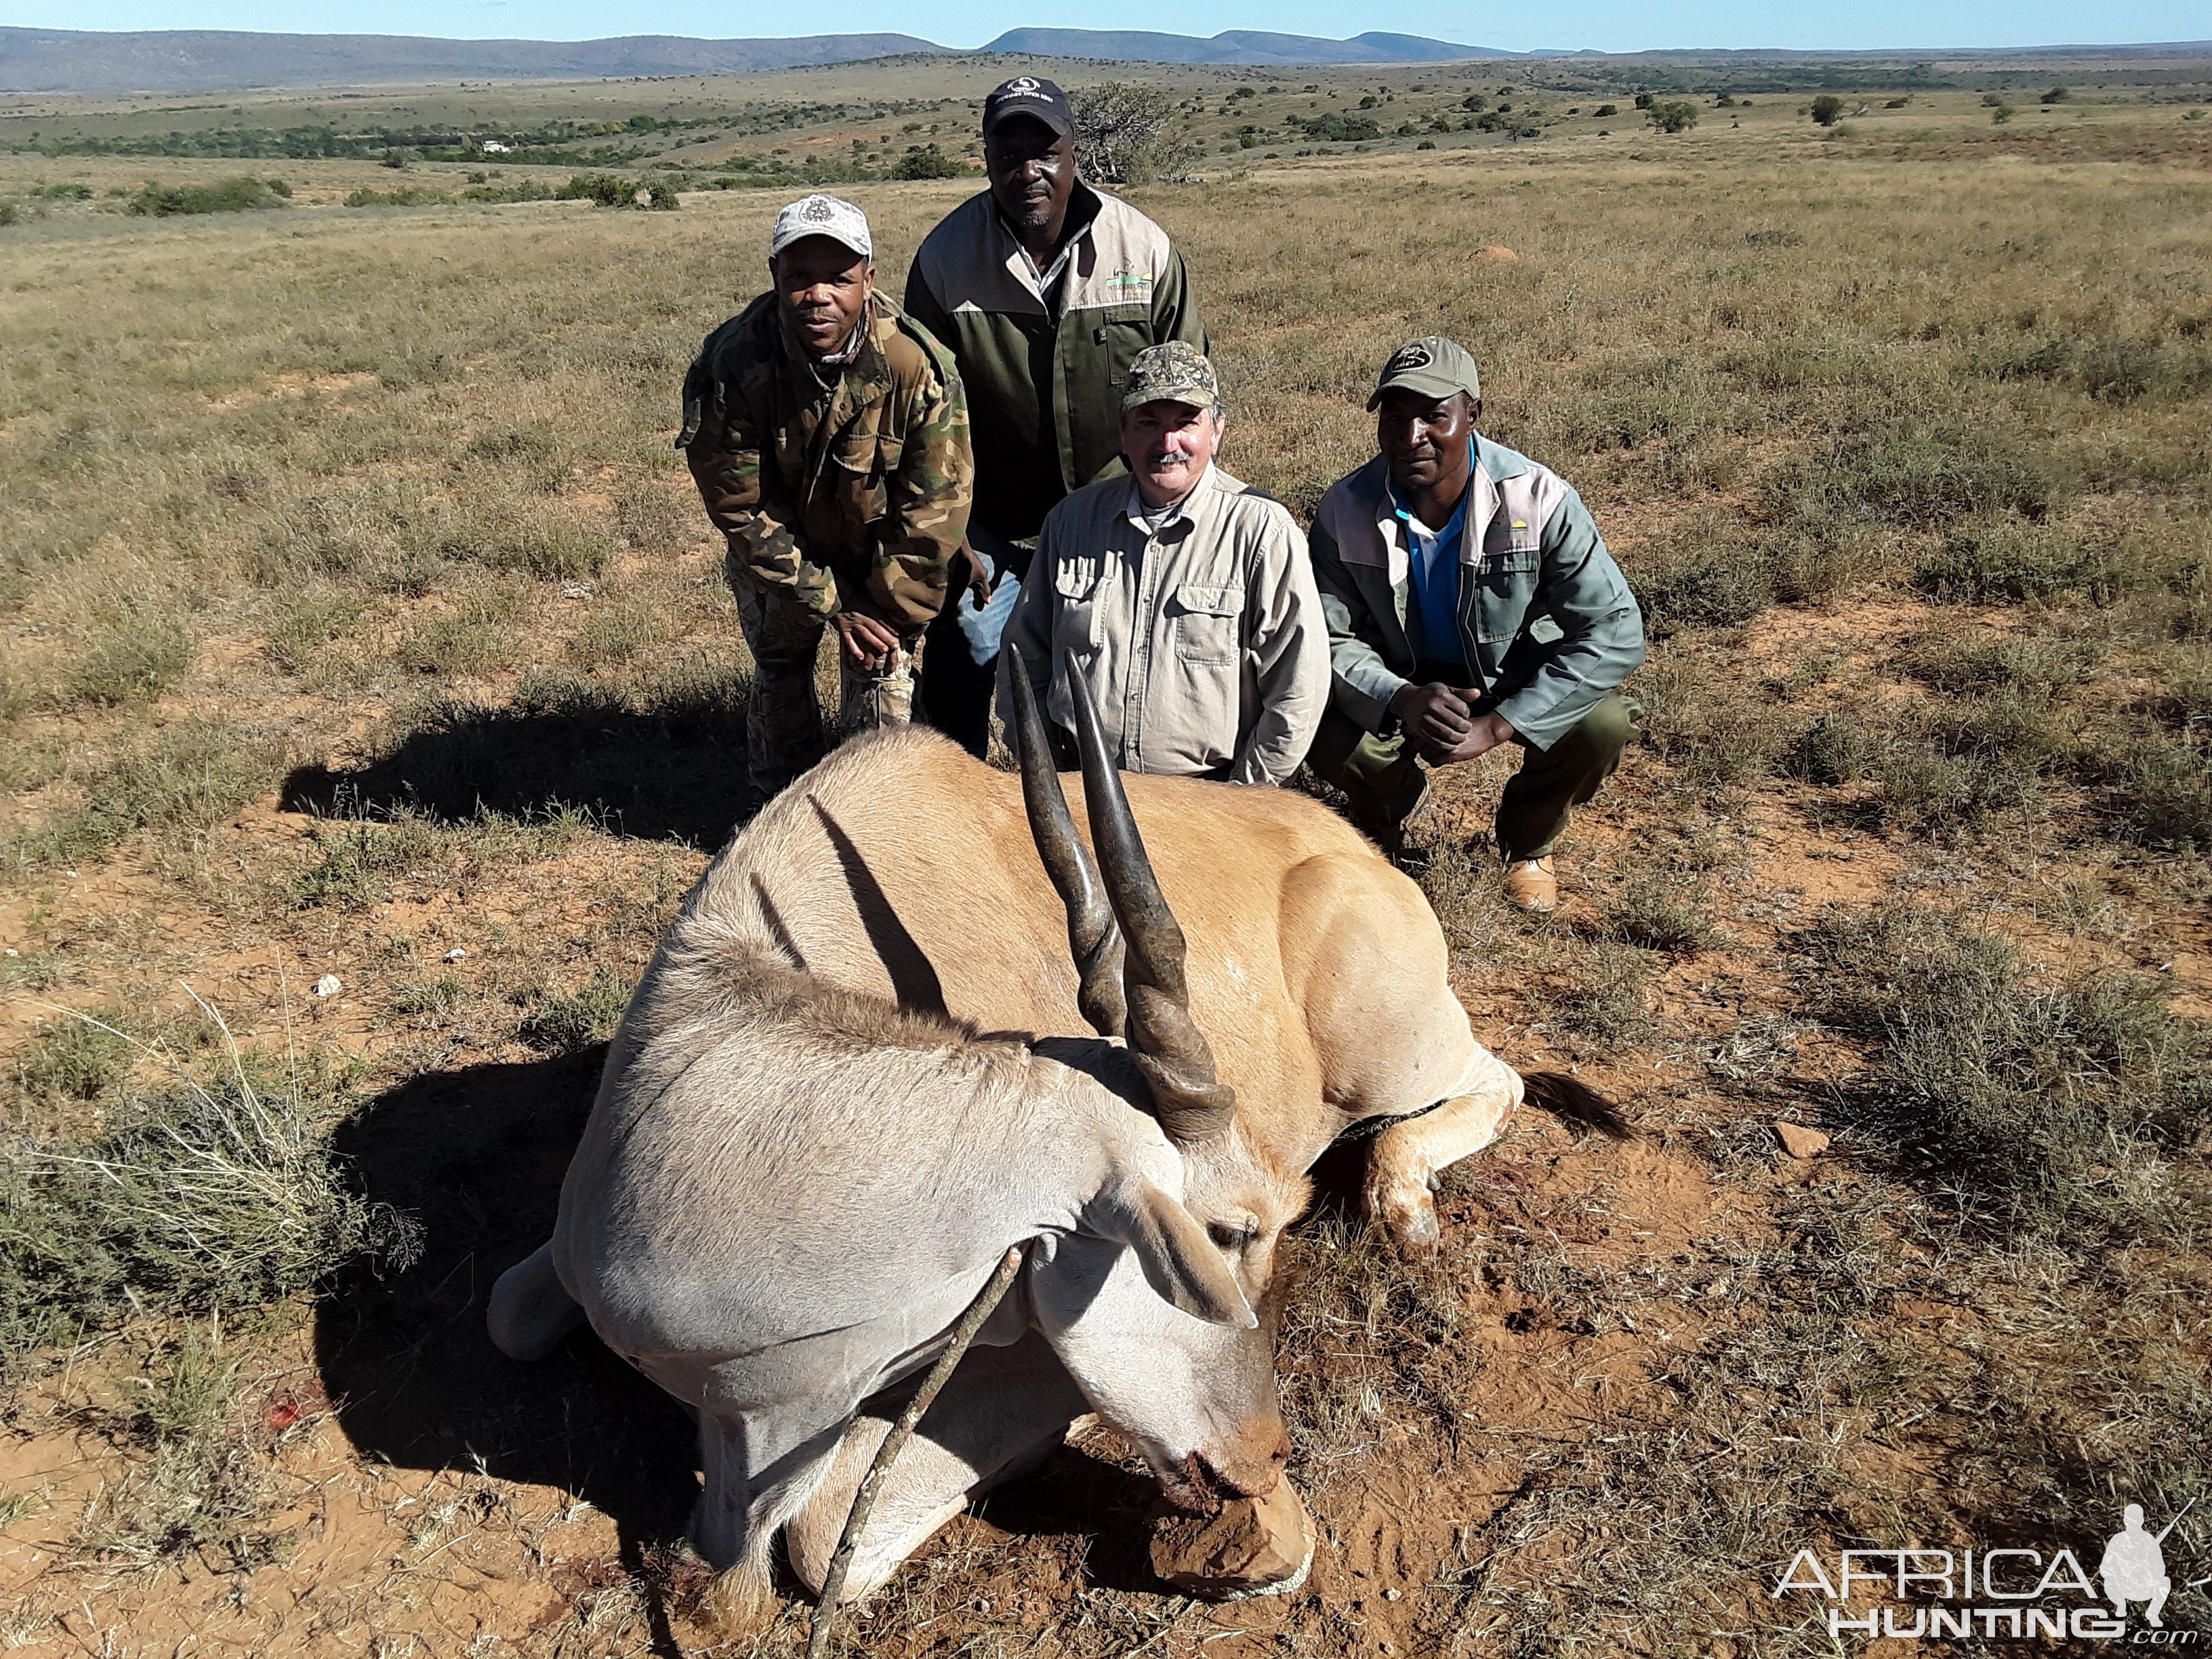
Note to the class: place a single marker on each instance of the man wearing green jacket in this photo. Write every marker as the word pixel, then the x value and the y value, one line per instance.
pixel 1471 601
pixel 1044 291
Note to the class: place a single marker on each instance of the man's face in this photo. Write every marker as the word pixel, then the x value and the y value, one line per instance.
pixel 1032 172
pixel 823 287
pixel 1167 446
pixel 1425 441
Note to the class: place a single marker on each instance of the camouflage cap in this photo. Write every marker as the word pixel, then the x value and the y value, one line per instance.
pixel 1174 372
pixel 1431 366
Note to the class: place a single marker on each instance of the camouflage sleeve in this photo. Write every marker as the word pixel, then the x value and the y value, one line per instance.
pixel 930 492
pixel 723 447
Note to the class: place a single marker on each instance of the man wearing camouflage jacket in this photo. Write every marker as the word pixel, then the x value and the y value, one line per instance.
pixel 828 434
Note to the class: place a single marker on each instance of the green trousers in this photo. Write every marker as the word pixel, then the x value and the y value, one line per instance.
pixel 1385 779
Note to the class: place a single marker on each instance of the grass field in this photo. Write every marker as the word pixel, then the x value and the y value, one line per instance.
pixel 360 625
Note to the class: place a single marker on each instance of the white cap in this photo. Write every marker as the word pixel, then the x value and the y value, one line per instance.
pixel 822 216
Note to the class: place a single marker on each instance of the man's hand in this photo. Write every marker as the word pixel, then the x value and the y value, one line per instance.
pixel 867 644
pixel 1443 729
pixel 977 579
pixel 1435 718
pixel 1485 733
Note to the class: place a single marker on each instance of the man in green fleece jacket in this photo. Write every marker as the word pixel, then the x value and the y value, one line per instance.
pixel 1044 291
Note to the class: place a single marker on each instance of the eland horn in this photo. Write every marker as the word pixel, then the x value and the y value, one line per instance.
pixel 1192 1101
pixel 1093 936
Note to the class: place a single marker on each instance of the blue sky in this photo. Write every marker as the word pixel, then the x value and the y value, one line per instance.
pixel 1602 25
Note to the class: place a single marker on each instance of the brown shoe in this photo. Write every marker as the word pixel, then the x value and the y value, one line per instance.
pixel 1531 884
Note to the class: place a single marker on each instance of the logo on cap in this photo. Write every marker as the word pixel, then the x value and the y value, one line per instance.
pixel 1022 86
pixel 1415 356
pixel 816 211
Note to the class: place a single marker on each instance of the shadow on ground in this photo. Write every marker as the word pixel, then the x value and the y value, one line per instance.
pixel 477 1157
pixel 670 766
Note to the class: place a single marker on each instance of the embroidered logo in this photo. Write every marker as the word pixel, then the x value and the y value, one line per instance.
pixel 1415 356
pixel 1024 86
pixel 817 211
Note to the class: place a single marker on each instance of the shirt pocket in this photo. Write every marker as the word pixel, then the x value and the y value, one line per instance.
pixel 860 477
pixel 1206 623
pixel 1075 581
pixel 1504 586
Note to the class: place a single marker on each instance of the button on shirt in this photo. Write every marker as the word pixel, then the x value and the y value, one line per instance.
pixel 1197 628
pixel 1432 583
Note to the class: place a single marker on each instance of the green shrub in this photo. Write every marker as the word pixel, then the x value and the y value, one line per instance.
pixel 1922 480
pixel 75 1059
pixel 2017 562
pixel 1658 912
pixel 563 1021
pixel 134 656
pixel 180 783
pixel 927 161
pixel 228 196
pixel 1828 109
pixel 1673 115
pixel 2160 793
pixel 608 190
pixel 2030 1106
pixel 215 1198
pixel 1836 749
pixel 1701 580
pixel 400 196
pixel 529 190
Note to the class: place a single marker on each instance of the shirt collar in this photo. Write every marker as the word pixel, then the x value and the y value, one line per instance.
pixel 1083 205
pixel 1136 510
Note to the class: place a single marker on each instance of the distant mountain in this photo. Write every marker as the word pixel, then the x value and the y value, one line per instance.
pixel 211 60
pixel 1234 46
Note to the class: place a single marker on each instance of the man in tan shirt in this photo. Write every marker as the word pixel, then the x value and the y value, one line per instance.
pixel 1183 597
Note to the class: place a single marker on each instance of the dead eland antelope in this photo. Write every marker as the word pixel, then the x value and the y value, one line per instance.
pixel 847 1083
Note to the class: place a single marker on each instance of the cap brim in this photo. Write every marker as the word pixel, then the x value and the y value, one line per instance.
pixel 776 248
pixel 1420 386
pixel 1046 117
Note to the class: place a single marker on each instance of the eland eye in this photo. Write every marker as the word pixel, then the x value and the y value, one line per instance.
pixel 1229 1236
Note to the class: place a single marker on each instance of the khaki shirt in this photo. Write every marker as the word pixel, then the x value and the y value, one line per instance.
pixel 1203 644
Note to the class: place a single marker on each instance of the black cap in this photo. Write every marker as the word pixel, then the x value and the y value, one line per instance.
pixel 1027 94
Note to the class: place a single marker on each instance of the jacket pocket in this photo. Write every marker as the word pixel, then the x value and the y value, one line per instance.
pixel 859 479
pixel 1504 587
pixel 1120 334
pixel 1206 623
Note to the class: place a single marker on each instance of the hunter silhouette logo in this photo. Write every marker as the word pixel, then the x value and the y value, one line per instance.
pixel 2134 1567
pixel 1413 356
pixel 2020 1594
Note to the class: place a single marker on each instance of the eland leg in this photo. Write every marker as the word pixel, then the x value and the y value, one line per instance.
pixel 530 1311
pixel 1004 1413
pixel 1403 1164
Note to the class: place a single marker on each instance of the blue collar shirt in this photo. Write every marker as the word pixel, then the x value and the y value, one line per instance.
pixel 1432 583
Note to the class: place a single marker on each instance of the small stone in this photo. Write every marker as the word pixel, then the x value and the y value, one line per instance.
pixel 1799 1141
pixel 1393 1594
pixel 457 954
pixel 1249 1546
pixel 329 986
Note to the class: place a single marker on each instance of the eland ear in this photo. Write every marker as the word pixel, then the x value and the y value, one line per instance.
pixel 1180 1261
